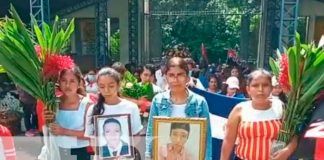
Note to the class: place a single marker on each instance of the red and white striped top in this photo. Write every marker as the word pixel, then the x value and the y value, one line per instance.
pixel 258 128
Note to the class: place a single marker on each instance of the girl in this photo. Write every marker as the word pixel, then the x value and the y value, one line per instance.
pixel 213 84
pixel 256 123
pixel 178 102
pixel 69 119
pixel 110 103
pixel 147 73
pixel 91 85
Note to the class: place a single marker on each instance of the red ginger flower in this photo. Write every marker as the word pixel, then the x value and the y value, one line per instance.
pixel 284 74
pixel 54 64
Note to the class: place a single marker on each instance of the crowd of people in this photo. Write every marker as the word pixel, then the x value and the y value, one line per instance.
pixel 252 125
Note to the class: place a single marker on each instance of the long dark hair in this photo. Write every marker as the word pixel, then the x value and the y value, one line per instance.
pixel 99 107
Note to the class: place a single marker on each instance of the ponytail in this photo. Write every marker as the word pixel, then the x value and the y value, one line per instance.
pixel 99 107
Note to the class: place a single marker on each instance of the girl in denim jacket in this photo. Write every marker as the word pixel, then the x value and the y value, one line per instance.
pixel 178 102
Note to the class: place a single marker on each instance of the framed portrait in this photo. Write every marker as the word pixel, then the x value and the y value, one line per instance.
pixel 179 138
pixel 113 137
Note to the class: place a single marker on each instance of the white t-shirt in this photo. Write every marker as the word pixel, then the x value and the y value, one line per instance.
pixel 124 107
pixel 160 80
pixel 178 110
pixel 92 88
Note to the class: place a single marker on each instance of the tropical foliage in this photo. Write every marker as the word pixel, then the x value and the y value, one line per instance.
pixel 219 28
pixel 300 73
pixel 25 61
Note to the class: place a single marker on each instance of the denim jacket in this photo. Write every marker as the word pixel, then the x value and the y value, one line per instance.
pixel 162 106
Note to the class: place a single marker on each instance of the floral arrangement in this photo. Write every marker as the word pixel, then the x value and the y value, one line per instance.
pixel 34 65
pixel 141 94
pixel 300 73
pixel 135 90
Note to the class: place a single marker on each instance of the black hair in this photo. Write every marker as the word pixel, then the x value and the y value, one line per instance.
pixel 106 71
pixel 185 126
pixel 258 72
pixel 195 73
pixel 213 76
pixel 149 67
pixel 112 120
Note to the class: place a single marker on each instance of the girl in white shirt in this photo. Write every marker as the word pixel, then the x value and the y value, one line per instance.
pixel 109 102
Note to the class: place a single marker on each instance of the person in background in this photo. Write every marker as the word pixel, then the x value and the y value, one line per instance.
pixel 277 91
pixel 191 65
pixel 179 101
pixel 231 88
pixel 160 77
pixel 92 96
pixel 120 68
pixel 195 81
pixel 28 103
pixel 7 146
pixel 235 72
pixel 256 123
pixel 213 84
pixel 147 73
pixel 91 83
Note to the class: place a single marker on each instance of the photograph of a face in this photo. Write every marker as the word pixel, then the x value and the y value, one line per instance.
pixel 113 136
pixel 179 138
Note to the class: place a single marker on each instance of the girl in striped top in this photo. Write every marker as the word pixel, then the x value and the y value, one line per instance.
pixel 256 123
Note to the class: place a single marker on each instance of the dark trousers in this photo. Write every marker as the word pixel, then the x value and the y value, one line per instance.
pixel 30 117
pixel 236 158
pixel 74 154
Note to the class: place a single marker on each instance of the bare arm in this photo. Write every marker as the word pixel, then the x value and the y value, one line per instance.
pixel 231 133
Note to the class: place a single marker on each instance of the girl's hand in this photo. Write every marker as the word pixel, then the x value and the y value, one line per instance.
pixel 48 115
pixel 281 154
pixel 56 129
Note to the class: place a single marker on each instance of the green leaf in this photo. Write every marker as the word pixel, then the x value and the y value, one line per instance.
pixel 274 67
pixel 292 67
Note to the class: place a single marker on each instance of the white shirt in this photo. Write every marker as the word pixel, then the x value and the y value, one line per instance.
pixel 160 80
pixel 124 107
pixel 198 85
pixel 178 110
pixel 92 88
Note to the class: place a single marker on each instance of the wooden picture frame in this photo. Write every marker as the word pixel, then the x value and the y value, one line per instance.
pixel 170 133
pixel 105 131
